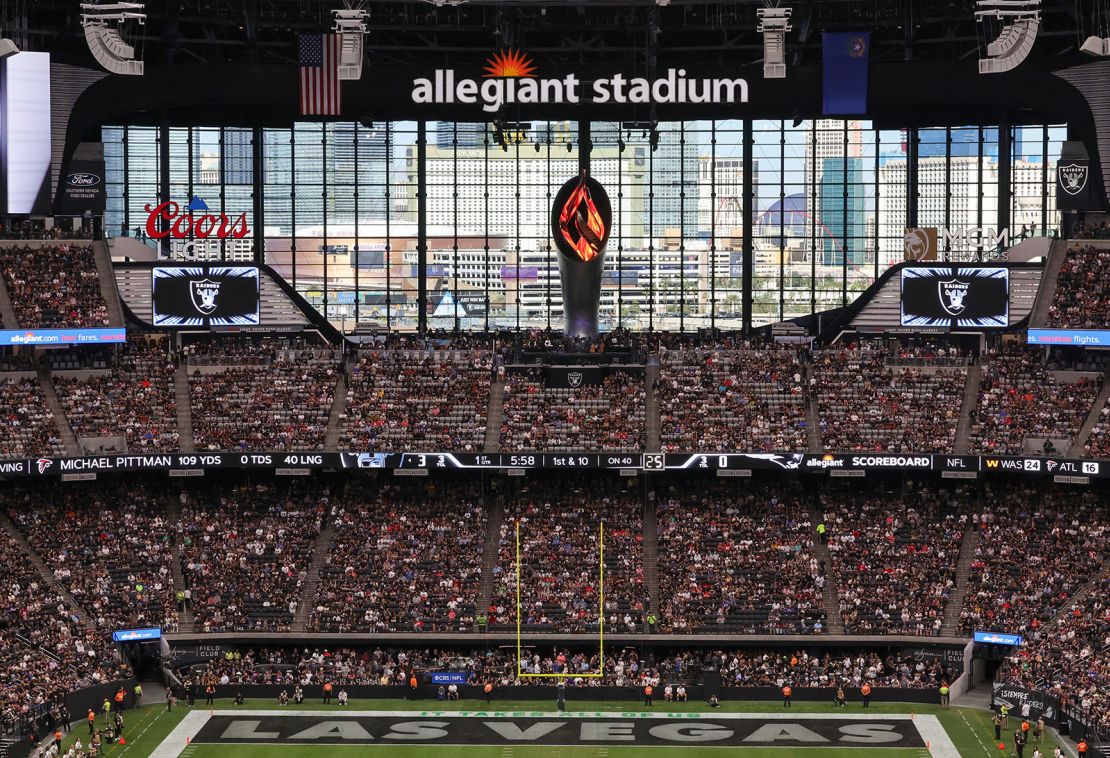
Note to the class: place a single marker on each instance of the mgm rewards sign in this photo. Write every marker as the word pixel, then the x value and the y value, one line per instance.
pixel 510 78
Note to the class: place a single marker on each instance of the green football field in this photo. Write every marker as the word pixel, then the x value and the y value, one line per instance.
pixel 535 729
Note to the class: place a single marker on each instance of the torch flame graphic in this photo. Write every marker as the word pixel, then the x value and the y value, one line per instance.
pixel 581 223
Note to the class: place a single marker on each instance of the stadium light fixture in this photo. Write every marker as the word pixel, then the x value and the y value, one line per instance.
pixel 8 48
pixel 350 25
pixel 1015 42
pixel 774 23
pixel 105 42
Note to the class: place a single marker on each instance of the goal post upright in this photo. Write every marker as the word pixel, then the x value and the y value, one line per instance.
pixel 600 612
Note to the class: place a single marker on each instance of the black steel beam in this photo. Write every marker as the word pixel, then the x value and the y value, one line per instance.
pixel 422 225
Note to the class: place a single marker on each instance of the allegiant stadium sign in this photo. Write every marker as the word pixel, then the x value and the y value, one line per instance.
pixel 510 79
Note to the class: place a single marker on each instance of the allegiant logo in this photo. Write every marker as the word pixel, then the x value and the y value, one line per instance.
pixel 510 79
pixel 825 461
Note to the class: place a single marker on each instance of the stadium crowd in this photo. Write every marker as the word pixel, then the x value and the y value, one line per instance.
pixel 28 426
pixel 1020 398
pixel 1082 296
pixel 619 340
pixel 1036 549
pixel 1071 659
pixel 402 559
pixel 245 553
pixel 135 399
pixel 1098 442
pixel 718 400
pixel 29 229
pixel 44 650
pixel 403 400
pixel 560 548
pixel 738 562
pixel 54 286
pixel 1098 230
pixel 605 417
pixel 894 568
pixel 867 405
pixel 624 666
pixel 846 668
pixel 394 667
pixel 110 546
pixel 280 405
pixel 242 350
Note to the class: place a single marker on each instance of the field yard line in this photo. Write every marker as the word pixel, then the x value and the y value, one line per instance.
pixel 932 731
pixel 174 743
pixel 131 742
pixel 974 731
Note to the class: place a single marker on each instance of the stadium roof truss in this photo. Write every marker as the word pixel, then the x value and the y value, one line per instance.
pixel 571 32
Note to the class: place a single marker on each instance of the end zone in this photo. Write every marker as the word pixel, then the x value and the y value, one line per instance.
pixel 508 727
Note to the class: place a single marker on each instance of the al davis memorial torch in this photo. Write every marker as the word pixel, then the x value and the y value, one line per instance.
pixel 581 218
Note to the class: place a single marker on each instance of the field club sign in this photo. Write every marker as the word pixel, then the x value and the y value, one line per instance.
pixel 510 79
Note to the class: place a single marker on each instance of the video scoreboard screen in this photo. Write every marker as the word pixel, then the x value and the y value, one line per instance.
pixel 955 296
pixel 204 296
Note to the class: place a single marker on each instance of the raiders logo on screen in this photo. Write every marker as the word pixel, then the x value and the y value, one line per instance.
pixel 953 293
pixel 574 379
pixel 1073 178
pixel 204 293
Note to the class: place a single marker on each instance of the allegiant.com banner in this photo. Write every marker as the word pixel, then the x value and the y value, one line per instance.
pixel 1084 337
pixel 137 635
pixel 997 638
pixel 62 336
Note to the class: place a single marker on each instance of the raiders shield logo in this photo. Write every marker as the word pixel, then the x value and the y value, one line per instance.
pixel 952 296
pixel 204 294
pixel 574 378
pixel 1073 178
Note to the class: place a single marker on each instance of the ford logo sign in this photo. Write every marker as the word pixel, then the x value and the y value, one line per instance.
pixel 82 180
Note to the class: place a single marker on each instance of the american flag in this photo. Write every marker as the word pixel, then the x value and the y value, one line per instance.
pixel 319 62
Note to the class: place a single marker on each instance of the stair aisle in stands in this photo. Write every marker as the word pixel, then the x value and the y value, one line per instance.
pixel 312 581
pixel 493 417
pixel 50 397
pixel 651 556
pixel 813 426
pixel 495 515
pixel 1078 597
pixel 173 523
pixel 184 409
pixel 834 622
pixel 652 430
pixel 1080 441
pixel 40 566
pixel 971 399
pixel 1047 290
pixel 337 419
pixel 951 625
pixel 107 277
pixel 7 312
